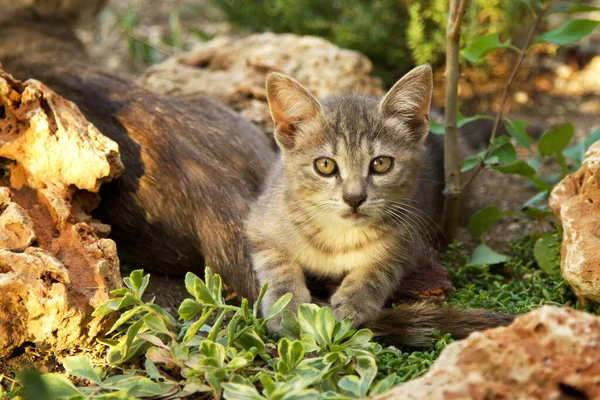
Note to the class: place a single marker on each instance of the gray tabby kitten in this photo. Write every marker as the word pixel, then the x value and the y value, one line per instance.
pixel 351 199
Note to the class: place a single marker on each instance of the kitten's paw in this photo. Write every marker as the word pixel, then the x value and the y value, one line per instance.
pixel 274 325
pixel 359 311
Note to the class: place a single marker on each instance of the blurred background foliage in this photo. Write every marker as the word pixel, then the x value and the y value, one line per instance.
pixel 394 34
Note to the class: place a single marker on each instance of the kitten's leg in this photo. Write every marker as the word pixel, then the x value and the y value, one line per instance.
pixel 364 291
pixel 283 276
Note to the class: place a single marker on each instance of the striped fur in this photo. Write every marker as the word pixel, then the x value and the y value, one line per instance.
pixel 301 225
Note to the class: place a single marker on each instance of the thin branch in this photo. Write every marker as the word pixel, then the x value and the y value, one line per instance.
pixel 458 19
pixel 534 28
pixel 515 70
pixel 453 187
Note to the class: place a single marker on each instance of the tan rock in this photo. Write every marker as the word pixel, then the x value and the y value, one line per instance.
pixel 234 69
pixel 576 202
pixel 16 228
pixel 53 267
pixel 549 353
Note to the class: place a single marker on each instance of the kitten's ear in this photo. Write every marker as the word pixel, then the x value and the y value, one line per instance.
pixel 291 106
pixel 409 100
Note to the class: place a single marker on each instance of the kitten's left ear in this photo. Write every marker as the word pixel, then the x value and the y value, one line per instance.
pixel 409 100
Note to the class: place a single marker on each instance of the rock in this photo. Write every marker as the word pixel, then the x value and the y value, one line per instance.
pixel 549 353
pixel 67 10
pixel 576 202
pixel 53 267
pixel 235 69
pixel 583 82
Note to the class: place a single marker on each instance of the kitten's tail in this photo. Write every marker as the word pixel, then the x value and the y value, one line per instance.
pixel 413 325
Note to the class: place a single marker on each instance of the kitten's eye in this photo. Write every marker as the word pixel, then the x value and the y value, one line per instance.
pixel 325 166
pixel 382 164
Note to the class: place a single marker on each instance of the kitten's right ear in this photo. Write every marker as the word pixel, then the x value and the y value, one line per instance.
pixel 291 106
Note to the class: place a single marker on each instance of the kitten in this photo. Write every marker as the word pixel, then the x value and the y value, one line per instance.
pixel 353 197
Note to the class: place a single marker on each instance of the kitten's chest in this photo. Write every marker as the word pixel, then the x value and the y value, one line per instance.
pixel 333 251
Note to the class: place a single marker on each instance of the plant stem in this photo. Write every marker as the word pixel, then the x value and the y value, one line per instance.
pixel 509 82
pixel 534 28
pixel 453 188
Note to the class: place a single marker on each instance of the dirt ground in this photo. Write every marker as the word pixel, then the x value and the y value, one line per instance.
pixel 534 97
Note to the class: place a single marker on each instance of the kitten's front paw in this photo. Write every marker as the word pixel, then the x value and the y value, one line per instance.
pixel 360 310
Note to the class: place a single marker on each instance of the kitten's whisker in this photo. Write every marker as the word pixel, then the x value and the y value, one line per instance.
pixel 398 218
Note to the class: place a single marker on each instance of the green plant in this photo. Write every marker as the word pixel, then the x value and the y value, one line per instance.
pixel 501 154
pixel 394 35
pixel 224 350
pixel 9 388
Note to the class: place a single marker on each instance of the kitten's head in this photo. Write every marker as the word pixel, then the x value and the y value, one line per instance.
pixel 352 157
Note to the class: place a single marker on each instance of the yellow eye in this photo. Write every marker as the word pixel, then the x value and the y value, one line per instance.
pixel 381 164
pixel 325 166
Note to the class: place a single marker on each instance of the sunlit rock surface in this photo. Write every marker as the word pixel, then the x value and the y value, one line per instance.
pixel 54 269
pixel 576 202
pixel 549 353
pixel 234 70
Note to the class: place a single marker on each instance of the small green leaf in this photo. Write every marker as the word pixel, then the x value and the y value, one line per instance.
pixel 361 337
pixel 577 152
pixel 517 129
pixel 570 32
pixel 241 391
pixel 152 371
pixel 48 386
pixel 535 199
pixel 267 383
pixel 307 315
pixel 81 367
pixel 505 154
pixel 289 325
pixel 156 324
pixel 574 8
pixel 324 324
pixel 383 385
pixel 483 255
pixel 278 306
pixel 350 384
pixel 484 45
pixel 189 309
pixel 484 219
pixel 547 253
pixel 471 162
pixel 518 168
pixel 197 288
pixel 250 339
pixel 556 140
pixel 258 302
pixel 367 369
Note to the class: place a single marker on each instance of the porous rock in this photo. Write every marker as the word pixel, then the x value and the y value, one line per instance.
pixel 576 202
pixel 234 70
pixel 53 267
pixel 549 353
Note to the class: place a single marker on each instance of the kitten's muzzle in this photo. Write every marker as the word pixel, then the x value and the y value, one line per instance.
pixel 355 200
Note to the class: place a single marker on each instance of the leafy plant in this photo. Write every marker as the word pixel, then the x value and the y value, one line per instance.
pixel 501 154
pixel 394 35
pixel 224 350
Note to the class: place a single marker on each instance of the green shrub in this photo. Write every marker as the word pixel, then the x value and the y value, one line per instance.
pixel 394 35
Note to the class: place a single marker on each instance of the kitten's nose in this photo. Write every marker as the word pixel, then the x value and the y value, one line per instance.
pixel 355 200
